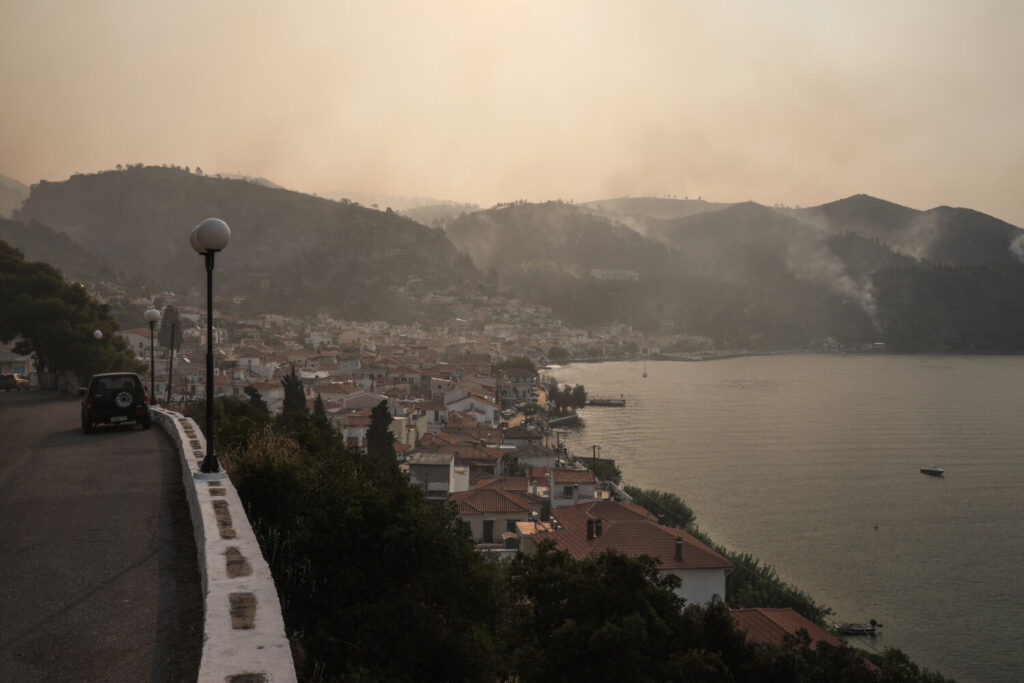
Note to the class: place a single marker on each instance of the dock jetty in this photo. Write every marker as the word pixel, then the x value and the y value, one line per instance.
pixel 607 401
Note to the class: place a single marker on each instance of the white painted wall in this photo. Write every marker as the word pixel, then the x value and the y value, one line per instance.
pixel 700 585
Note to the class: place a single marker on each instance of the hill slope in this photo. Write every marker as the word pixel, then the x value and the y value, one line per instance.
pixel 289 251
pixel 945 235
pixel 12 194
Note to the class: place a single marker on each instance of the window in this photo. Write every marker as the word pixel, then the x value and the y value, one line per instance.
pixel 488 531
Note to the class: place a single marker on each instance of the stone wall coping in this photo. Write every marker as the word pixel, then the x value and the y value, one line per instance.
pixel 243 631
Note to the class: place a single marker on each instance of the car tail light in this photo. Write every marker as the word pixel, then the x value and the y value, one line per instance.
pixel 145 397
pixel 88 401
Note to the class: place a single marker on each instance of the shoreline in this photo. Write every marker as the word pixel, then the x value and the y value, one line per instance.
pixel 703 356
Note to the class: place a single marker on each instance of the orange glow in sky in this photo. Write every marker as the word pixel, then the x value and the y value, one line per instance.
pixel 799 102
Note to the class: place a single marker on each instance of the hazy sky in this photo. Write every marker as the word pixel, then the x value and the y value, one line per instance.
pixel 920 103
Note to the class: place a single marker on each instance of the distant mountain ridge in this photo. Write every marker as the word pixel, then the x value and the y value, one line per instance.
pixel 855 270
pixel 951 236
pixel 847 273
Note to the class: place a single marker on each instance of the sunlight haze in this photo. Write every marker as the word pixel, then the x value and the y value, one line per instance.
pixel 795 102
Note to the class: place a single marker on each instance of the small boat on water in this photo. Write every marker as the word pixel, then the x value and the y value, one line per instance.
pixel 933 470
pixel 851 629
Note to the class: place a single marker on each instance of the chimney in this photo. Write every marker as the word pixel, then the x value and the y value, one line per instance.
pixel 597 527
pixel 590 530
pixel 679 548
pixel 661 520
pixel 551 489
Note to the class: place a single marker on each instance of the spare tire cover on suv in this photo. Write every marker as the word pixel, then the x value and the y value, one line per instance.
pixel 124 398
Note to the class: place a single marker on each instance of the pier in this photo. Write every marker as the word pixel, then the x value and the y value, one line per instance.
pixel 607 401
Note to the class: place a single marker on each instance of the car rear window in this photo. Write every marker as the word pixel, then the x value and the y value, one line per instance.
pixel 108 384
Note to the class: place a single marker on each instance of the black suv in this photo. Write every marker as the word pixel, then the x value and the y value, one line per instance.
pixel 114 397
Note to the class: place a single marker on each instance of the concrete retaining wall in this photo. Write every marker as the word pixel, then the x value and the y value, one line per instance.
pixel 243 633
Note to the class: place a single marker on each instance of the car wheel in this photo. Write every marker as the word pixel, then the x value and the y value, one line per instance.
pixel 146 421
pixel 87 426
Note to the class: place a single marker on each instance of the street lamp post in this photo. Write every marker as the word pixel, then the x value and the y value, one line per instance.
pixel 209 237
pixel 152 315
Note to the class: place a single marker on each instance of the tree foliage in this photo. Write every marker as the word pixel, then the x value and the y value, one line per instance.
pixel 380 440
pixel 567 397
pixel 55 321
pixel 170 334
pixel 609 618
pixel 294 405
pixel 376 583
pixel 675 511
pixel 521 363
pixel 256 399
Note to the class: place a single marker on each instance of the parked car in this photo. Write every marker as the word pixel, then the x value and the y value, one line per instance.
pixel 15 381
pixel 114 398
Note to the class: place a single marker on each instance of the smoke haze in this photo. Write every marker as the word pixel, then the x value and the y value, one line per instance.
pixel 796 102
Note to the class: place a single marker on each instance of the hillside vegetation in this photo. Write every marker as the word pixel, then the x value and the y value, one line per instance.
pixel 289 251
pixel 857 271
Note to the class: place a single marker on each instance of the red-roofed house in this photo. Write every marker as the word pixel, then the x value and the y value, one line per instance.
pixel 482 408
pixel 513 484
pixel 437 415
pixel 353 427
pixel 492 513
pixel 563 486
pixel 576 516
pixel 772 625
pixel 700 569
pixel 521 436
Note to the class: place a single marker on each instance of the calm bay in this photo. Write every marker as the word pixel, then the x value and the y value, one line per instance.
pixel 798 458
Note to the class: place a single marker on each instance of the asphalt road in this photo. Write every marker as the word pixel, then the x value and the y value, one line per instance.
pixel 98 573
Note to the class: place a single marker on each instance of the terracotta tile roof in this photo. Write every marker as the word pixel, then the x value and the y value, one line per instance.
pixel 770 625
pixel 430 459
pixel 466 454
pixel 439 439
pixel 516 484
pixel 562 476
pixel 480 501
pixel 574 516
pixel 520 432
pixel 357 419
pixel 641 538
pixel 535 450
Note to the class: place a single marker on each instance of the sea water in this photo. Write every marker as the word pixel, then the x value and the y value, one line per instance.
pixel 812 464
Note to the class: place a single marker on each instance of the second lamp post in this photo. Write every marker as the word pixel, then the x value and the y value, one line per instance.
pixel 152 316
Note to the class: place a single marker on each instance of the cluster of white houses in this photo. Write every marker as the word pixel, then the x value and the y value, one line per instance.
pixel 510 488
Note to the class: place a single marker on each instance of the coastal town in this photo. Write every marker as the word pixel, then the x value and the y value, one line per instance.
pixel 471 418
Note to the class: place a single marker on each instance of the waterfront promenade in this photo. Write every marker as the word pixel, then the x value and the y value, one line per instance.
pixel 98 569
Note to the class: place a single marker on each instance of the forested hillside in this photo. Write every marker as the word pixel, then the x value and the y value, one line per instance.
pixel 857 271
pixel 289 251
